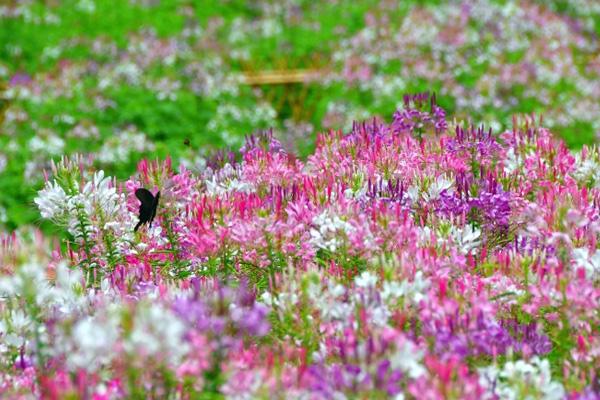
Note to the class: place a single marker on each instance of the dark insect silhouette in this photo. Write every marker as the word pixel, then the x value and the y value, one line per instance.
pixel 148 204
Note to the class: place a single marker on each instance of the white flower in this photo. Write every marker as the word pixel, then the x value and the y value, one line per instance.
pixel 130 71
pixel 29 286
pixel 262 114
pixel 436 188
pixel 466 239
pixel 520 379
pixel 414 291
pixel 329 302
pixel 30 280
pixel 327 231
pixel 46 143
pixel 270 27
pixel 96 202
pixel 93 339
pixel 407 358
pixel 366 280
pixel 591 263
pixel 15 327
pixel 119 147
pixel 392 290
pixel 424 235
pixel 103 194
pixel 240 186
pixel 413 194
pixel 379 314
pixel 226 180
pixel 321 354
pixel 268 299
pixel 52 200
pixel 356 193
pixel 157 333
pixel 3 162
pixel 285 300
pixel 512 162
pixel 587 170
pixel 86 6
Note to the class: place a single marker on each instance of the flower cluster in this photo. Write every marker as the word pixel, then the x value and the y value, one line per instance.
pixel 150 78
pixel 394 262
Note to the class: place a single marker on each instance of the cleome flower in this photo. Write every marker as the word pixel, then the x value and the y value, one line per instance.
pixel 397 262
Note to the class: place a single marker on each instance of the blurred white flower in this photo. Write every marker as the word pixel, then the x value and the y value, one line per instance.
pixel 588 170
pixel 366 280
pixel 512 162
pixel 413 194
pixel 520 379
pixel 14 328
pixel 128 71
pixel 329 301
pixel 413 290
pixel 93 340
pixel 3 162
pixel 86 6
pixel 229 117
pixel 216 188
pixel 407 358
pixel 119 147
pixel 46 142
pixel 227 180
pixel 590 262
pixel 157 333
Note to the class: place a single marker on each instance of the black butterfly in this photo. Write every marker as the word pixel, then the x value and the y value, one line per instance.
pixel 148 204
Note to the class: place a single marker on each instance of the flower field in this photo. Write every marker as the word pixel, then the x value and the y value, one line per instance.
pixel 351 236
pixel 126 78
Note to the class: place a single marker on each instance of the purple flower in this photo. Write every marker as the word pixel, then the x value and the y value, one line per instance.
pixel 494 203
pixel 19 79
pixel 528 338
pixel 477 142
pixel 392 191
pixel 452 204
pixel 264 140
pixel 490 208
pixel 589 393
pixel 415 116
pixel 253 320
pixel 198 315
pixel 373 129
pixel 459 337
pixel 220 158
pixel 529 245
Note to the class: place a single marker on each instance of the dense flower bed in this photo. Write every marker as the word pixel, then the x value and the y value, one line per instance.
pixel 123 78
pixel 417 259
